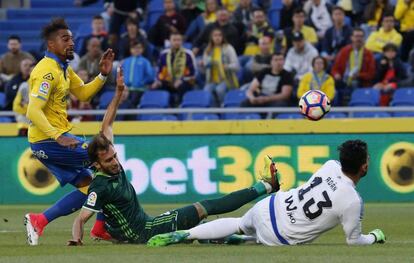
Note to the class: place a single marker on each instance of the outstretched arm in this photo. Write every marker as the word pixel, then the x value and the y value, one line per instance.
pixel 84 92
pixel 110 114
pixel 78 225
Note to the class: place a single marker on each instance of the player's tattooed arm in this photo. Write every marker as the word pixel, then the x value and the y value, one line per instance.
pixel 113 106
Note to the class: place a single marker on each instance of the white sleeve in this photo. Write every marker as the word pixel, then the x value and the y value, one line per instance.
pixel 351 223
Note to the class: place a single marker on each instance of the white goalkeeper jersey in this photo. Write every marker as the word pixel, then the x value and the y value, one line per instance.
pixel 329 198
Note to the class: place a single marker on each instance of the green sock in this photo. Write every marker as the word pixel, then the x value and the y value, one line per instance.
pixel 233 200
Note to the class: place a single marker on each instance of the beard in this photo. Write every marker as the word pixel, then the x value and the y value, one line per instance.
pixel 69 54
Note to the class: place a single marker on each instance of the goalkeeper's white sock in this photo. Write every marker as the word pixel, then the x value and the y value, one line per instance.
pixel 216 229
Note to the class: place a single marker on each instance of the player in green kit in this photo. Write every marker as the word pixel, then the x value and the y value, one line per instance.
pixel 111 193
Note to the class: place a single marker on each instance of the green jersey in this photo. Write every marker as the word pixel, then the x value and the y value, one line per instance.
pixel 116 198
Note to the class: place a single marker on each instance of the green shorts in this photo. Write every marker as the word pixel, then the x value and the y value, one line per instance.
pixel 179 219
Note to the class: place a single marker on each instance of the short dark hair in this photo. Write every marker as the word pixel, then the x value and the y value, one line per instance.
pixel 55 25
pixel 390 46
pixel 14 37
pixel 258 9
pixel 338 8
pixel 352 155
pixel 298 10
pixel 277 54
pixel 175 33
pixel 98 143
pixel 325 62
pixel 358 29
pixel 97 17
pixel 134 43
pixel 131 20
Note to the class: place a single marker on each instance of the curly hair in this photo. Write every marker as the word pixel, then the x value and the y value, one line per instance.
pixel 55 25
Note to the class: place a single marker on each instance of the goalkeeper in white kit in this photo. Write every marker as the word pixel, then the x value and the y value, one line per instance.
pixel 302 214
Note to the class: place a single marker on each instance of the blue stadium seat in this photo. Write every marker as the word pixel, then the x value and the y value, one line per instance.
pixel 6 119
pixel 336 115
pixel 197 99
pixel 241 116
pixel 290 116
pixel 157 117
pixel 379 114
pixel 59 3
pixel 152 18
pixel 155 99
pixel 156 5
pixel 274 18
pixel 277 4
pixel 365 97
pixel 74 12
pixel 403 97
pixel 403 114
pixel 234 98
pixel 105 99
pixel 202 117
pixel 36 24
pixel 2 100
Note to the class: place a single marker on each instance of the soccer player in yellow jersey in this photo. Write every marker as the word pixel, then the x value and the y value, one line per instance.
pixel 65 155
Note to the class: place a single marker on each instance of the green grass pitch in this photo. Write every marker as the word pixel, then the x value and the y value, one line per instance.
pixel 396 220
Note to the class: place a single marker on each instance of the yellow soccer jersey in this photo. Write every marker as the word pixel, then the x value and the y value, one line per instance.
pixel 50 83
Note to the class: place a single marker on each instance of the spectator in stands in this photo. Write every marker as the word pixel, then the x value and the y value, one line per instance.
pixel 76 104
pixel 354 66
pixel 21 100
pixel 138 73
pixel 108 14
pixel 243 15
pixel 404 12
pixel 99 32
pixel 319 16
pixel 230 5
pixel 170 22
pixel 299 57
pixel 90 61
pixel 353 9
pixel 336 37
pixel 286 14
pixel 177 69
pixel 235 38
pixel 262 60
pixel 191 9
pixel 11 88
pixel 298 26
pixel 373 14
pixel 207 17
pixel 259 62
pixel 272 87
pixel 10 61
pixel 132 35
pixel 317 79
pixel 220 64
pixel 257 29
pixel 390 71
pixel 384 35
pixel 121 11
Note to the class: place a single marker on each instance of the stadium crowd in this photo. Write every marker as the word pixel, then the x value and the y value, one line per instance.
pixel 219 46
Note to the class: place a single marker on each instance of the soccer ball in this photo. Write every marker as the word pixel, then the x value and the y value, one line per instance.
pixel 34 176
pixel 400 166
pixel 314 104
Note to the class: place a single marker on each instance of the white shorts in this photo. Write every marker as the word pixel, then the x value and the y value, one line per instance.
pixel 256 222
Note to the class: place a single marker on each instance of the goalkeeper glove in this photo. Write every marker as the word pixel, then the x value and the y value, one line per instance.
pixel 379 236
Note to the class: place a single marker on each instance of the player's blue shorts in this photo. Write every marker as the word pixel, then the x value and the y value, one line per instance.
pixel 67 165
